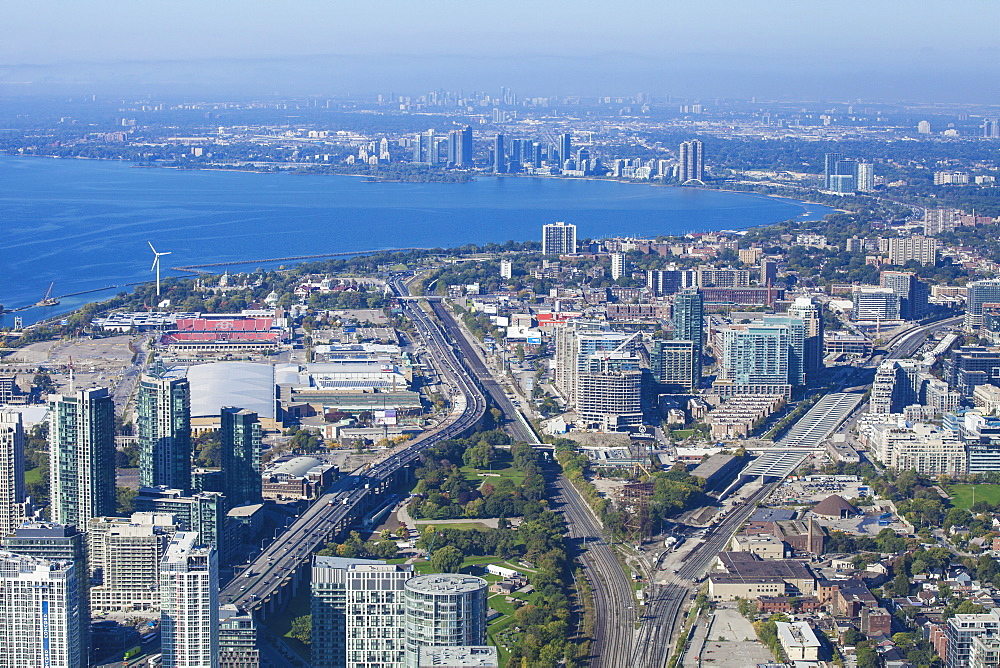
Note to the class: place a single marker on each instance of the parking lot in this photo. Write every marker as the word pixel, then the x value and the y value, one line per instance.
pixel 731 642
pixel 814 491
pixel 96 363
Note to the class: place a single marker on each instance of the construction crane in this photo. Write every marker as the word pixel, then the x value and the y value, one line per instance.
pixel 48 299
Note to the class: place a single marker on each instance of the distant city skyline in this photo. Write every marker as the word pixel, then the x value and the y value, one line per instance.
pixel 721 47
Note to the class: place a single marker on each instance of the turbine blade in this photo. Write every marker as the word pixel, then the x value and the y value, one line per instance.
pixel 156 261
pixel 167 253
pixel 151 246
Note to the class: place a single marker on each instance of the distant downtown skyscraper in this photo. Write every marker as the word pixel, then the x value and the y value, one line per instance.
pixel 40 612
pixel 11 472
pixel 81 456
pixel 163 420
pixel 240 454
pixel 460 147
pixel 499 156
pixel 691 165
pixel 565 147
pixel 558 239
pixel 189 604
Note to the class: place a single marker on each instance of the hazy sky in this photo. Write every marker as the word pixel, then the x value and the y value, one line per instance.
pixel 696 47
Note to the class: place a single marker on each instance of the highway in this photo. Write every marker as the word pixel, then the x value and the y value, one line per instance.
pixel 614 628
pixel 284 561
pixel 911 342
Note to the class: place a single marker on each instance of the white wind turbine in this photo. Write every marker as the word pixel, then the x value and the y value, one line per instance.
pixel 156 265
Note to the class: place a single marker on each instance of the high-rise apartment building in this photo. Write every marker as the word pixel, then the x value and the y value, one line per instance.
pixel 189 604
pixel 460 147
pixel 58 543
pixel 919 248
pixel 240 450
pixel 980 293
pixel 768 272
pixel 874 304
pixel 40 615
pixel 609 391
pixel 237 639
pixel 618 265
pixel 499 154
pixel 12 510
pixel 576 343
pixel 125 556
pixel 912 293
pixel 81 456
pixel 444 610
pixel 845 176
pixel 506 269
pixel 358 613
pixel 755 360
pixel 565 147
pixel 163 421
pixel 896 385
pixel 203 513
pixel 689 317
pixel 558 239
pixel 516 157
pixel 924 127
pixel 689 323
pixel 666 281
pixel 830 161
pixel 938 221
pixel 961 631
pixel 375 629
pixel 865 180
pixel 690 161
pixel 796 345
pixel 811 314
pixel 425 148
pixel 672 365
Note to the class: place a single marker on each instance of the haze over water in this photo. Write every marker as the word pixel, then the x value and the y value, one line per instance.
pixel 84 224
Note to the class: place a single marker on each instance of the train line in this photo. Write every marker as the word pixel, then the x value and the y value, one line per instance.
pixel 614 628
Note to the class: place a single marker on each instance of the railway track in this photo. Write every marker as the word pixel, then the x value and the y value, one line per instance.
pixel 614 629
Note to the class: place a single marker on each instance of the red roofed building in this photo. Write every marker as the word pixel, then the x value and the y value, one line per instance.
pixel 223 334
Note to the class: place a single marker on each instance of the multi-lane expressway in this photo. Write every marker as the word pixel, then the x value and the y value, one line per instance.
pixel 277 572
pixel 614 601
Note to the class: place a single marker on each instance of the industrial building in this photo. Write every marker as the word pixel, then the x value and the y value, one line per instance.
pixel 297 478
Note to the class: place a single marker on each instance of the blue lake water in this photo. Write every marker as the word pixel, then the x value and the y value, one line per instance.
pixel 85 224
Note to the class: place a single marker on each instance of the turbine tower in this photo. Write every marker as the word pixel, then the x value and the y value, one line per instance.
pixel 156 265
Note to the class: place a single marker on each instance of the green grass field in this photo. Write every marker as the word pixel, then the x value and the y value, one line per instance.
pixel 32 475
pixel 501 469
pixel 962 495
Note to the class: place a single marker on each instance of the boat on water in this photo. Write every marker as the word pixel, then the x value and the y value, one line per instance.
pixel 48 299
